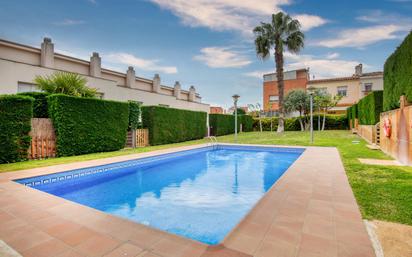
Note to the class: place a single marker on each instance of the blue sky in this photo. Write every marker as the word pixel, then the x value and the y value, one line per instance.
pixel 208 43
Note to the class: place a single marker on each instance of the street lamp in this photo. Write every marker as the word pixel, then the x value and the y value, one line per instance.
pixel 235 99
pixel 311 93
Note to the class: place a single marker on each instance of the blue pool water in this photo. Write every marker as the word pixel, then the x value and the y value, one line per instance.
pixel 201 194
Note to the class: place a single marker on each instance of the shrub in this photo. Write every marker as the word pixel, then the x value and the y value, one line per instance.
pixel 398 75
pixel 88 125
pixel 333 122
pixel 369 108
pixel 169 125
pixel 15 125
pixel 223 124
pixel 66 83
pixel 134 115
pixel 39 104
pixel 247 123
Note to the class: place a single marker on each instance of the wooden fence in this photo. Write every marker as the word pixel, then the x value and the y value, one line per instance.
pixel 137 138
pixel 398 143
pixel 43 143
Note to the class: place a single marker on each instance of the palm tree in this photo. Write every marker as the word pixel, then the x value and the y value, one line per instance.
pixel 65 83
pixel 283 32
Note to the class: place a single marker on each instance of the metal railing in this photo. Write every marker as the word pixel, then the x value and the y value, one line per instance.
pixel 213 142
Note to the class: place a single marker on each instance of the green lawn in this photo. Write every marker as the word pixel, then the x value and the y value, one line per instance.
pixel 382 192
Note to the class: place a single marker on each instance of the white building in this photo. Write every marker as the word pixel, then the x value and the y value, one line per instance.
pixel 20 64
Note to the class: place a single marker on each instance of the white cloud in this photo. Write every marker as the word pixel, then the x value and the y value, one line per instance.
pixel 68 22
pixel 222 57
pixel 147 65
pixel 310 21
pixel 257 74
pixel 332 55
pixel 241 16
pixel 363 36
pixel 321 68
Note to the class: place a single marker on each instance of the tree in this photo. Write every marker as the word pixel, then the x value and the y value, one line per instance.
pixel 256 111
pixel 326 101
pixel 65 83
pixel 282 33
pixel 298 101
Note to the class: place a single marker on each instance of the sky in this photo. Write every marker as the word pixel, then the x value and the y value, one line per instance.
pixel 209 43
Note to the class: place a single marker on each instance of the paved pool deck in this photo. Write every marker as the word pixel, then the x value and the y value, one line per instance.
pixel 309 211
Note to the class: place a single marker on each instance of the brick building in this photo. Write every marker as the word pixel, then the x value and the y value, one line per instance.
pixel 295 79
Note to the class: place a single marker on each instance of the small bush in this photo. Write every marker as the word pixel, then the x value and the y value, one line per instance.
pixel 15 125
pixel 134 115
pixel 40 104
pixel 333 122
pixel 88 125
pixel 369 108
pixel 169 125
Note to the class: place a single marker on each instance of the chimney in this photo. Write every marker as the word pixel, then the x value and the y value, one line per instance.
pixel 95 65
pixel 156 84
pixel 177 89
pixel 192 94
pixel 358 69
pixel 47 53
pixel 130 77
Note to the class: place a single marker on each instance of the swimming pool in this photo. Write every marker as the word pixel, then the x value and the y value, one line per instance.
pixel 201 194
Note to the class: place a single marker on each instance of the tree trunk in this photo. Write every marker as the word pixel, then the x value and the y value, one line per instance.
pixel 280 82
pixel 324 120
pixel 319 119
pixel 302 128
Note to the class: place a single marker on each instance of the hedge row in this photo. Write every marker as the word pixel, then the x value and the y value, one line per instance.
pixel 15 125
pixel 134 115
pixel 169 125
pixel 223 124
pixel 88 125
pixel 40 109
pixel 333 122
pixel 369 108
pixel 398 75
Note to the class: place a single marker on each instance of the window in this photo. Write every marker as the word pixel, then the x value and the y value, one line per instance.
pixel 368 87
pixel 27 87
pixel 342 91
pixel 273 98
pixel 323 90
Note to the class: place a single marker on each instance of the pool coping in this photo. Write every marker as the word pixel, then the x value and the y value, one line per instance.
pixel 251 237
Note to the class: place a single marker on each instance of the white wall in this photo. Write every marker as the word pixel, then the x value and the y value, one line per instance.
pixel 11 73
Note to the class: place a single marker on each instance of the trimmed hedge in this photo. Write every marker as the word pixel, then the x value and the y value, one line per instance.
pixel 15 125
pixel 88 125
pixel 39 105
pixel 333 122
pixel 134 115
pixel 398 75
pixel 247 123
pixel 168 125
pixel 223 124
pixel 369 108
pixel 352 113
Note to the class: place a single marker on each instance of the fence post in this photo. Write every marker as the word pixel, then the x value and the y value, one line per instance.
pixel 134 145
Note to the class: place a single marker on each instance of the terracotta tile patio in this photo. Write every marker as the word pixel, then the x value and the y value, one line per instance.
pixel 310 211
